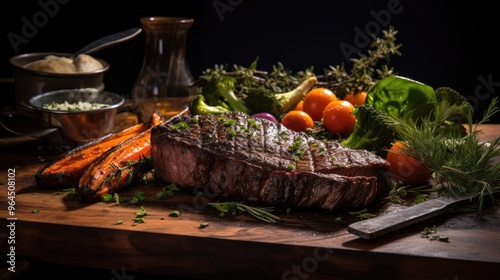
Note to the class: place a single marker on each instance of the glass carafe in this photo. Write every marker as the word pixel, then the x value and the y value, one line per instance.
pixel 164 83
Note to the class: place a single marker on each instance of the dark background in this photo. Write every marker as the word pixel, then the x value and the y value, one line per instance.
pixel 444 44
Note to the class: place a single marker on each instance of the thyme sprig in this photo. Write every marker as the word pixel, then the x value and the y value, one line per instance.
pixel 367 69
pixel 399 192
pixel 235 208
pixel 364 71
pixel 461 166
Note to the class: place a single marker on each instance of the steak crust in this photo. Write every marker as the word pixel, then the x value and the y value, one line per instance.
pixel 256 160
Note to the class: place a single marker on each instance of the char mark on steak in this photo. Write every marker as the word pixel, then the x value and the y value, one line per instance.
pixel 260 161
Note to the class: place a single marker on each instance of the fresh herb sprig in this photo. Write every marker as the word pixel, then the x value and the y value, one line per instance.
pixel 461 166
pixel 364 71
pixel 367 69
pixel 135 169
pixel 235 208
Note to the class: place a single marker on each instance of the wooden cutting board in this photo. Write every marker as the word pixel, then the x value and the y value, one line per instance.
pixel 50 225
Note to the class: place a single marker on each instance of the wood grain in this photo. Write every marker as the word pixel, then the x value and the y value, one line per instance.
pixel 305 243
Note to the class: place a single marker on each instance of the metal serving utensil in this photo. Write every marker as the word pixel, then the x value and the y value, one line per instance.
pixel 109 40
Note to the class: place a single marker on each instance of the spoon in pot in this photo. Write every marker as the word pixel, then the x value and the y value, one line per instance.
pixel 109 40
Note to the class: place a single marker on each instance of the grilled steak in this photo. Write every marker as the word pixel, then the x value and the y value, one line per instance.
pixel 256 160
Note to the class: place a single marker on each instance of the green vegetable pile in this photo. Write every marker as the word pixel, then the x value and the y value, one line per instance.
pixel 396 96
pixel 250 90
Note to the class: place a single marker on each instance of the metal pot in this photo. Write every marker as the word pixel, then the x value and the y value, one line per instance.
pixel 77 127
pixel 29 83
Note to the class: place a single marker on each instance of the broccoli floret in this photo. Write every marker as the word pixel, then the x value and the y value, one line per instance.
pixel 276 104
pixel 455 104
pixel 457 109
pixel 220 91
pixel 199 107
pixel 372 131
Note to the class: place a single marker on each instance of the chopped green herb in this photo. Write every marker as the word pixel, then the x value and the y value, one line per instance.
pixel 283 134
pixel 107 197
pixel 142 212
pixel 119 222
pixel 138 197
pixel 139 220
pixel 35 211
pixel 77 106
pixel 253 123
pixel 299 153
pixel 229 122
pixel 174 213
pixel 181 125
pixel 363 214
pixel 203 225
pixel 296 144
pixel 167 191
pixel 111 198
pixel 431 233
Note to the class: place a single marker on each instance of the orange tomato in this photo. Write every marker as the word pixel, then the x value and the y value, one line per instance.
pixel 356 99
pixel 406 169
pixel 299 106
pixel 297 120
pixel 338 117
pixel 316 100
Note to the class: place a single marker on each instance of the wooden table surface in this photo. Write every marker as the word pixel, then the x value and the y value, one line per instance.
pixel 306 244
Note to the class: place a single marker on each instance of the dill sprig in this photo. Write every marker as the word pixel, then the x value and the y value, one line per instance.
pixel 461 166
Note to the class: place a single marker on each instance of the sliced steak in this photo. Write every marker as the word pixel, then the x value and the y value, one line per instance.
pixel 327 191
pixel 259 161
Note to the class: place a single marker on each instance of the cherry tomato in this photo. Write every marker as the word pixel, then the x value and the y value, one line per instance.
pixel 316 100
pixel 356 99
pixel 297 120
pixel 299 106
pixel 406 169
pixel 338 117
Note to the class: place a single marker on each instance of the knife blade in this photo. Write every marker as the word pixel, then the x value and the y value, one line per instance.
pixel 380 225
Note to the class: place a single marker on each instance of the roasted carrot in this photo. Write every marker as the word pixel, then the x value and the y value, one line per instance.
pixel 66 170
pixel 116 168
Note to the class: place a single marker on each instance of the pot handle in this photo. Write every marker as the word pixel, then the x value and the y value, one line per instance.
pixel 36 134
pixel 6 80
